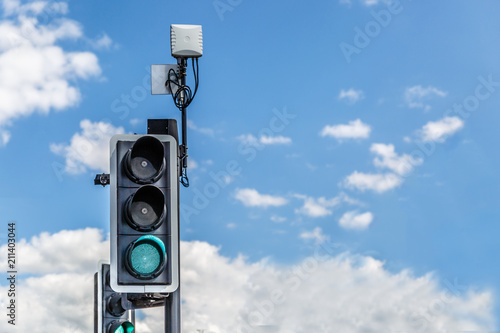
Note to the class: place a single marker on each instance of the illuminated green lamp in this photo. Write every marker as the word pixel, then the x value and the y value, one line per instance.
pixel 146 257
pixel 121 327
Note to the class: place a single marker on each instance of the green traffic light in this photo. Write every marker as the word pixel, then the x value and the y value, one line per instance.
pixel 125 327
pixel 147 256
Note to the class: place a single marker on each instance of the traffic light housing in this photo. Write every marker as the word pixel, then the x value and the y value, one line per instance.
pixel 110 308
pixel 144 213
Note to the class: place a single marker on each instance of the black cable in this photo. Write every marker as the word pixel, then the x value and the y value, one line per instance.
pixel 188 93
pixel 182 104
pixel 196 77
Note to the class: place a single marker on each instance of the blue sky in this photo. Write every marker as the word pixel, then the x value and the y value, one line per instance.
pixel 367 124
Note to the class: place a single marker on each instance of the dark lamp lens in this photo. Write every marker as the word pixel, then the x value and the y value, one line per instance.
pixel 145 161
pixel 145 208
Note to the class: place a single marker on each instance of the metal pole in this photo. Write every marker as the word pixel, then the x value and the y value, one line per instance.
pixel 173 301
pixel 173 312
pixel 182 63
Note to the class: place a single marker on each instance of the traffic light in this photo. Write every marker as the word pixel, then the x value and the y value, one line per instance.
pixel 144 213
pixel 111 315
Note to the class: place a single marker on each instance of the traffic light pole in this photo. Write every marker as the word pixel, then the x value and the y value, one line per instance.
pixel 182 65
pixel 173 312
pixel 173 301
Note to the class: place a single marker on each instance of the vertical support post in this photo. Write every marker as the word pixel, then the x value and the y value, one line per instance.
pixel 182 63
pixel 173 312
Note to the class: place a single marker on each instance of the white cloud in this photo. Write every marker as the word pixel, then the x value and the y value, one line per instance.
pixel 52 303
pixel 320 207
pixel 440 130
pixel 355 221
pixel 317 207
pixel 367 3
pixel 135 121
pixel 4 137
pixel 192 164
pixel 351 95
pixel 416 96
pixel 375 182
pixel 206 131
pixel 58 296
pixel 250 140
pixel 274 140
pixel 104 42
pixel 38 75
pixel 251 198
pixel 387 158
pixel 355 129
pixel 278 219
pixel 34 8
pixel 315 235
pixel 374 2
pixel 220 294
pixel 227 179
pixel 49 253
pixel 88 149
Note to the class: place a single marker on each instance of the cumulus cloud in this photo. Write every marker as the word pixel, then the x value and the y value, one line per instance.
pixel 263 297
pixel 252 198
pixel 315 235
pixel 36 8
pixel 440 130
pixel 275 140
pixel 58 294
pixel 375 182
pixel 250 140
pixel 53 303
pixel 351 96
pixel 49 253
pixel 88 149
pixel 221 294
pixel 37 74
pixel 320 207
pixel 104 42
pixel 355 129
pixel 387 158
pixel 417 96
pixel 354 220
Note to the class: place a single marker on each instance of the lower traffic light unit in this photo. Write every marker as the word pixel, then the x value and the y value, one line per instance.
pixel 111 315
